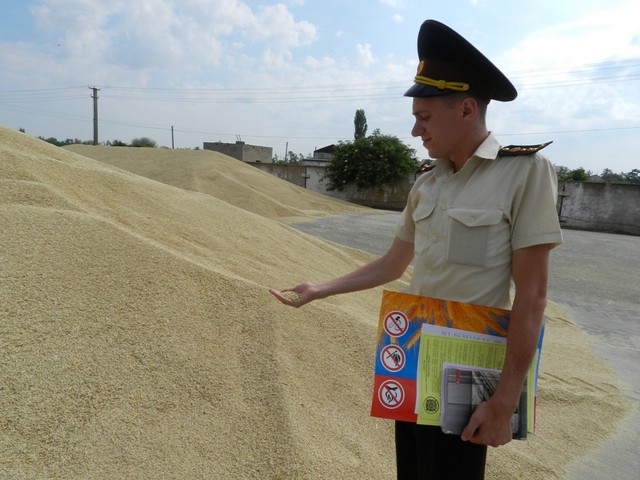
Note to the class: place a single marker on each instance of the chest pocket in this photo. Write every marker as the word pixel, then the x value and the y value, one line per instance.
pixel 423 229
pixel 469 234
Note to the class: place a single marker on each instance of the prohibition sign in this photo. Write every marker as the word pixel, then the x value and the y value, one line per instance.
pixel 392 358
pixel 396 323
pixel 391 394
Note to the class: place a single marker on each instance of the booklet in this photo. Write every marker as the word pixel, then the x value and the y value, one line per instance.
pixel 464 388
pixel 409 361
pixel 443 345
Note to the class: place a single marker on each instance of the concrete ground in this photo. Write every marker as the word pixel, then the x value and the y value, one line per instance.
pixel 596 278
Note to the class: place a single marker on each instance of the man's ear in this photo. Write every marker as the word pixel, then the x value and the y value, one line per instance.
pixel 469 107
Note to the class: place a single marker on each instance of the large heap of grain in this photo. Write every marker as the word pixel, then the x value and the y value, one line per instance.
pixel 138 340
pixel 222 177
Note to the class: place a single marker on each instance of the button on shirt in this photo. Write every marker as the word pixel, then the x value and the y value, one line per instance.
pixel 464 225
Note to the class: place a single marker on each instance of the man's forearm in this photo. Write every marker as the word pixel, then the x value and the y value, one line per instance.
pixel 522 341
pixel 383 270
pixel 530 272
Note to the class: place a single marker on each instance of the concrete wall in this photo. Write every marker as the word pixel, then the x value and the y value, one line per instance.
pixel 242 151
pixel 290 173
pixel 312 178
pixel 599 207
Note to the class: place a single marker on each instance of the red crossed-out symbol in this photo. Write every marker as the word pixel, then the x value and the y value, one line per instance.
pixel 396 324
pixel 390 394
pixel 392 358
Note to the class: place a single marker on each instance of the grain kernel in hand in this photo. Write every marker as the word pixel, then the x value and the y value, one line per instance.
pixel 293 296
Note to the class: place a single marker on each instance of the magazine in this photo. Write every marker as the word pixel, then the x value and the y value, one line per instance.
pixel 464 388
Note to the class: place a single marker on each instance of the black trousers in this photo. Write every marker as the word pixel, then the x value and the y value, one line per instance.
pixel 423 452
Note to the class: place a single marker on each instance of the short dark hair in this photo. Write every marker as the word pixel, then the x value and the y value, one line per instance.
pixel 455 97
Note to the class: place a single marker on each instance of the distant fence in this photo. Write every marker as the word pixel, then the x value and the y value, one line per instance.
pixel 594 206
pixel 600 207
pixel 312 178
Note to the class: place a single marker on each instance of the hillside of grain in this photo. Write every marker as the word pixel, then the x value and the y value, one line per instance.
pixel 138 339
pixel 222 177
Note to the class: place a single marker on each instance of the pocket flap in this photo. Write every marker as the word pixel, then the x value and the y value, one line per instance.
pixel 423 211
pixel 475 217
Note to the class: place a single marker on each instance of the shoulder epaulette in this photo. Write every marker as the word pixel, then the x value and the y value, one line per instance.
pixel 426 166
pixel 513 150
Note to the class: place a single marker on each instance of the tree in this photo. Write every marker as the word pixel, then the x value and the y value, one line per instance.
pixel 370 162
pixel 360 123
pixel 61 143
pixel 293 159
pixel 143 142
pixel 290 159
pixel 577 175
pixel 633 176
pixel 610 177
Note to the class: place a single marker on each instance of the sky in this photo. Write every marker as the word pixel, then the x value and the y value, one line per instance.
pixel 291 74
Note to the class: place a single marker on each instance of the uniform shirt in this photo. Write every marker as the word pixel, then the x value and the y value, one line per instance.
pixel 465 225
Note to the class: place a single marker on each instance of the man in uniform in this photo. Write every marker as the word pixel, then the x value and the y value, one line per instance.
pixel 484 216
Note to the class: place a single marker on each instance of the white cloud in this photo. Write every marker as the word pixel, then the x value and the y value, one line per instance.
pixel 275 60
pixel 169 34
pixel 610 34
pixel 572 75
pixel 320 63
pixel 223 46
pixel 275 24
pixel 621 109
pixel 76 25
pixel 365 55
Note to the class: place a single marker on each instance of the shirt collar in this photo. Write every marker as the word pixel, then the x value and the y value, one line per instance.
pixel 488 149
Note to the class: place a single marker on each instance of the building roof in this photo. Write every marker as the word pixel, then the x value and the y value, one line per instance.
pixel 327 149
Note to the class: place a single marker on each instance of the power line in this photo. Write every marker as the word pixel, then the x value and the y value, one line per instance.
pixel 583 75
pixel 501 134
pixel 186 130
pixel 560 132
pixel 325 92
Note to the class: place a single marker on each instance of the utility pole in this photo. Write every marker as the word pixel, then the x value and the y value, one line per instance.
pixel 95 114
pixel 172 144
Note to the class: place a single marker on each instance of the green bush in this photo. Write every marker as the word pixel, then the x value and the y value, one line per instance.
pixel 143 142
pixel 370 162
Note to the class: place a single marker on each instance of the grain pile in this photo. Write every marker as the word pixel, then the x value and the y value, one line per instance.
pixel 222 177
pixel 138 340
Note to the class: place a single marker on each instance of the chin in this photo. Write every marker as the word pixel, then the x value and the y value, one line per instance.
pixel 432 151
